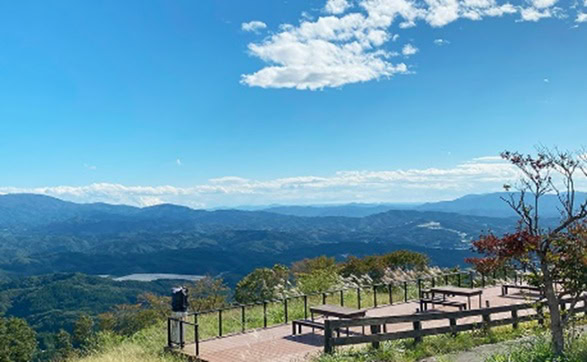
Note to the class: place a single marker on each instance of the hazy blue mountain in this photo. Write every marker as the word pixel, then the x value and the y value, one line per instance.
pixel 40 234
pixel 493 205
pixel 349 210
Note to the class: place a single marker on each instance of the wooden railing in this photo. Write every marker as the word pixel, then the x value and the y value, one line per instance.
pixel 380 294
pixel 378 324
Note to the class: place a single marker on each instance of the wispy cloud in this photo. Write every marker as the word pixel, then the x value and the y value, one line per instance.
pixel 351 43
pixel 482 174
pixel 254 26
pixel 89 167
pixel 441 42
pixel 178 162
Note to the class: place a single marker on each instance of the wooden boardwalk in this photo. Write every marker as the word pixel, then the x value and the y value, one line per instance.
pixel 277 343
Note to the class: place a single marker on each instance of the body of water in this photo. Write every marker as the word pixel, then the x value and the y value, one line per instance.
pixel 149 277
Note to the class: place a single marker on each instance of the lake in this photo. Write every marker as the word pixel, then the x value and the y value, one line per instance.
pixel 149 277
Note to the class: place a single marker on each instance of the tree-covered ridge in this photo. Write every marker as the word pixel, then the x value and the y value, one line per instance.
pixel 41 235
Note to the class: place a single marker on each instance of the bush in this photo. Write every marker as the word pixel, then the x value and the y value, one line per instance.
pixel 540 350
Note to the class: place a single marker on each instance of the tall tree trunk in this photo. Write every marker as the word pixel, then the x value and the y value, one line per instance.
pixel 556 325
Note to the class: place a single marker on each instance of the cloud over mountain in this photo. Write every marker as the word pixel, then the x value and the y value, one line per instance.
pixel 428 184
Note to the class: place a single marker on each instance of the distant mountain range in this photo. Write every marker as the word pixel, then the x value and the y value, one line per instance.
pixel 40 234
pixel 490 205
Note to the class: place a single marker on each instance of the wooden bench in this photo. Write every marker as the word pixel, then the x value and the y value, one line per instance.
pixel 506 287
pixel 451 303
pixel 306 323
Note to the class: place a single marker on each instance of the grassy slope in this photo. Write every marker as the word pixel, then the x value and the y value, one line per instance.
pixel 145 346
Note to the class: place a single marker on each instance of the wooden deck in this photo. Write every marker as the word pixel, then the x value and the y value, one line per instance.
pixel 277 343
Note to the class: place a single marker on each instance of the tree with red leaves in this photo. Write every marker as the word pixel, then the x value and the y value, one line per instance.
pixel 552 254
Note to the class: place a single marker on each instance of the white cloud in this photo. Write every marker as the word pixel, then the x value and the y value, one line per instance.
pixel 441 42
pixel 409 49
pixel 348 45
pixel 546 80
pixel 483 174
pixel 336 6
pixel 329 52
pixel 178 162
pixel 90 167
pixel 533 14
pixel 253 26
pixel 581 17
pixel 542 4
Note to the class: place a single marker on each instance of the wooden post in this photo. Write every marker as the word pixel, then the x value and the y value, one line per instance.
pixel 472 279
pixel 197 338
pixel 515 318
pixel 264 314
pixel 220 322
pixel 419 288
pixel 305 307
pixel 375 296
pixel 342 298
pixel 323 298
pixel 417 327
pixel 453 326
pixel 285 309
pixel 390 291
pixel 243 317
pixel 359 298
pixel 327 336
pixel 433 282
pixel 540 312
pixel 405 291
pixel 486 321
pixel 169 344
pixel 181 336
pixel 445 279
pixel 375 329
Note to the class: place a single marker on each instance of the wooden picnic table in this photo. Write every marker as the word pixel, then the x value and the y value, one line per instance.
pixel 466 292
pixel 329 310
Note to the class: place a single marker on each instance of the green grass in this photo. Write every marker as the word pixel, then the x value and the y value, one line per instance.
pixel 145 346
pixel 540 350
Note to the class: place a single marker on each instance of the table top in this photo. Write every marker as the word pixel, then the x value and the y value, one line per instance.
pixel 456 290
pixel 338 311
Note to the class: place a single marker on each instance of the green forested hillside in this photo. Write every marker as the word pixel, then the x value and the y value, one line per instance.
pixel 55 301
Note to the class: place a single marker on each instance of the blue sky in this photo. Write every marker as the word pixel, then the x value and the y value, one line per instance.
pixel 210 103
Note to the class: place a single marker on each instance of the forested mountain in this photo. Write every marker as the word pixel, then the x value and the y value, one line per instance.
pixel 40 234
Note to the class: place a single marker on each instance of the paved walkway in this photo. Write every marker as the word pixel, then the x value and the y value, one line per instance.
pixel 276 344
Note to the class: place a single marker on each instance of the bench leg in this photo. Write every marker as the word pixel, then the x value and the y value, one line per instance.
pixel 293 329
